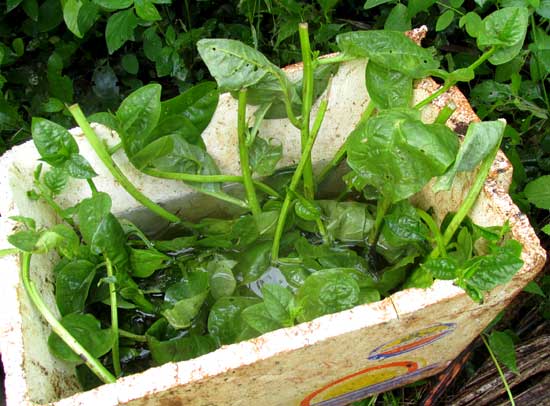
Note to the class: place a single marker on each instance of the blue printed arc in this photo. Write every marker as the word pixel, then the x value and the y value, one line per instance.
pixel 412 342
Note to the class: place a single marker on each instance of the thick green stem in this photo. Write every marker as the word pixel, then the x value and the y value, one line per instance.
pixel 448 84
pixel 188 177
pixel 114 318
pixel 445 113
pixel 436 232
pixel 381 210
pixel 499 369
pixel 243 156
pixel 8 251
pixel 295 181
pixel 307 102
pixel 338 58
pixel 107 160
pixel 341 153
pixel 91 362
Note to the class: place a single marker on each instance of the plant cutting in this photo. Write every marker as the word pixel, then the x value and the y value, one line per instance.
pixel 212 285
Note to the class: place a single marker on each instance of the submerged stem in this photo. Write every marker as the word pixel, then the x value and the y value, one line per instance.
pixel 114 318
pixel 91 362
pixel 243 156
pixel 107 160
pixel 307 102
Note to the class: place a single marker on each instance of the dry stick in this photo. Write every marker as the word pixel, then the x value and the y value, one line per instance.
pixel 91 362
pixel 107 160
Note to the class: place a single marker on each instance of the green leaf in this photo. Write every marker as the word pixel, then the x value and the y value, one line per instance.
pixel 543 9
pixel 146 262
pixel 222 281
pixel 537 192
pixel 472 22
pixel 418 6
pixel 324 292
pixel 481 138
pixel 18 46
pixel 503 348
pixel 54 143
pixel 225 321
pixel 398 19
pixel 80 16
pixel 389 49
pixel 546 229
pixel 182 314
pixel 444 20
pixel 138 115
pixel 167 345
pixel 12 4
pixel 388 88
pixel 114 4
pixel 441 268
pixel 146 9
pixel 152 44
pixel 193 284
pixel 264 156
pixel 130 63
pixel 398 154
pixel 55 180
pixel 86 329
pixel 375 3
pixel 52 105
pixel 31 9
pixel 120 28
pixel 257 317
pixel 420 278
pixel 24 240
pixel 346 221
pixel 78 167
pixel 278 301
pixel 505 29
pixel 235 66
pixel 488 271
pixel 72 284
pixel 533 288
pixel 28 222
pixel 253 263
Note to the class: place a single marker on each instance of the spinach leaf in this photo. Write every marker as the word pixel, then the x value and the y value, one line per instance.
pixel 222 281
pixel 168 345
pixel 279 303
pixel 388 88
pixel 72 284
pixel 257 317
pixel 193 284
pixel 398 154
pixel 86 329
pixel 225 321
pixel 138 115
pixel 505 29
pixel 184 311
pixel 389 49
pixel 441 268
pixel 253 262
pixel 146 262
pixel 346 221
pixel 480 140
pixel 264 156
pixel 326 291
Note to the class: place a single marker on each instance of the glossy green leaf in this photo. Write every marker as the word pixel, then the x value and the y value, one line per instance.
pixel 388 88
pixel 130 63
pixel 264 156
pixel 146 262
pixel 441 268
pixel 12 4
pixel 120 28
pixel 31 9
pixel 502 346
pixel 78 167
pixel 398 19
pixel 278 302
pixel 56 180
pixel 473 23
pixel 444 20
pixel 324 292
pixel 375 3
pixel 72 284
pixel 222 281
pixel 138 115
pixel 86 329
pixel 398 154
pixel 480 140
pixel 54 143
pixel 80 16
pixel 257 317
pixel 253 262
pixel 25 240
pixel 146 10
pixel 193 284
pixel 184 311
pixel 389 49
pixel 346 221
pixel 537 192
pixel 225 321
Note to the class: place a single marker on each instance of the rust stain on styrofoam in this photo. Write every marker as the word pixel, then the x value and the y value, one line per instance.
pixel 293 366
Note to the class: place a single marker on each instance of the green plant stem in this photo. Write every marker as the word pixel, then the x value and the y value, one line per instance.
pixel 445 113
pixel 307 102
pixel 499 369
pixel 381 209
pixel 115 148
pixel 8 251
pixel 227 198
pixel 341 153
pixel 107 160
pixel 136 337
pixel 295 181
pixel 114 318
pixel 189 177
pixel 243 156
pixel 448 83
pixel 92 185
pixel 338 58
pixel 45 194
pixel 322 230
pixel 468 202
pixel 91 362
pixel 436 232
